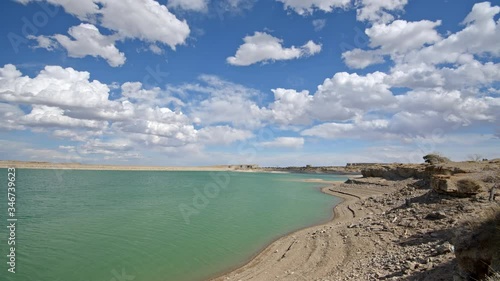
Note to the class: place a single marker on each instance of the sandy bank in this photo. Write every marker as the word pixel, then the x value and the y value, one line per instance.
pixel 315 252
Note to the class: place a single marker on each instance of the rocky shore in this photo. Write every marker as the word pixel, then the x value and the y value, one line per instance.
pixel 434 221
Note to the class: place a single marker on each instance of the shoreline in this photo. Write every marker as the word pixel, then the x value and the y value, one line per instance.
pixel 340 214
pixel 97 167
pixel 265 247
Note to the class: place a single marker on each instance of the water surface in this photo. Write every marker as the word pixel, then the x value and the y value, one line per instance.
pixel 151 226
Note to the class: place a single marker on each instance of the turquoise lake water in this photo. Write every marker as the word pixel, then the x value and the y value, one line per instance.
pixel 150 226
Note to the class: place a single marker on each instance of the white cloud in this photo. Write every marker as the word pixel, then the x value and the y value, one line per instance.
pixel 146 20
pixel 367 10
pixel 65 99
pixel 88 41
pixel 284 142
pixel 303 7
pixel 479 37
pixel 401 36
pixel 43 42
pixel 10 115
pixel 377 10
pixel 355 129
pixel 358 58
pixel 217 101
pixel 233 6
pixel 155 49
pixel 310 48
pixel 319 24
pixel 47 116
pixel 262 47
pixel 345 95
pixel 53 86
pixel 193 5
pixel 224 135
pixel 393 39
pixel 290 106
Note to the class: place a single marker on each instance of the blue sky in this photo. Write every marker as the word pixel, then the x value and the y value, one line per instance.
pixel 279 82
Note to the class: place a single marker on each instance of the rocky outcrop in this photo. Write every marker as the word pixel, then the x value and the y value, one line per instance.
pixel 396 171
pixel 463 179
pixel 458 185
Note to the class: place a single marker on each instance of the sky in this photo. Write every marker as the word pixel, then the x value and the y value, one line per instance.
pixel 268 82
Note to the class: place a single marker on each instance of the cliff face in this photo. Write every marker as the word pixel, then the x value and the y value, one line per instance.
pixel 396 171
pixel 453 178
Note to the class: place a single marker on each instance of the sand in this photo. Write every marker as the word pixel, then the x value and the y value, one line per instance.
pixel 317 252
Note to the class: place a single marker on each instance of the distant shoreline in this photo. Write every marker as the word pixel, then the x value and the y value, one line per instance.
pixel 78 166
pixel 230 167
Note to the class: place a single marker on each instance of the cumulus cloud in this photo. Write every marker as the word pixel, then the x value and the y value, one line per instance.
pixel 263 47
pixel 291 107
pixel 86 40
pixel 216 101
pixel 146 20
pixel 48 116
pixel 396 38
pixel 358 58
pixel 10 115
pixel 435 84
pixel 378 10
pixel 477 38
pixel 76 108
pixel 284 142
pixel 417 43
pixel 43 42
pixel 53 86
pixel 374 11
pixel 401 36
pixel 217 135
pixel 191 5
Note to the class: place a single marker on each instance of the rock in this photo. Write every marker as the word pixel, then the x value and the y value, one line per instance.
pixel 444 248
pixel 412 265
pixel 395 171
pixel 457 185
pixel 435 216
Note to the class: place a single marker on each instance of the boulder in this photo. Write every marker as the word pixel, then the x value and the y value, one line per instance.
pixel 457 185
